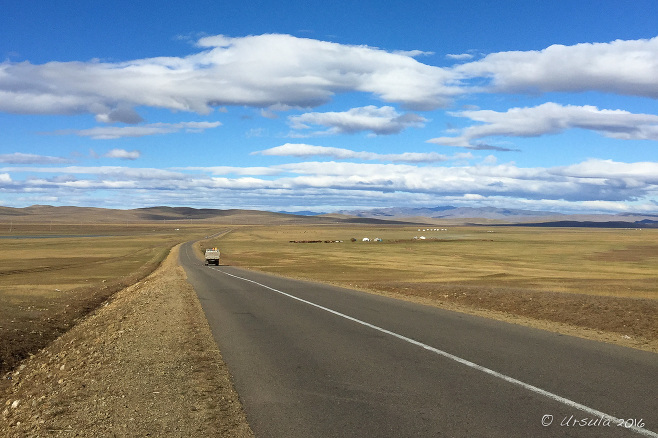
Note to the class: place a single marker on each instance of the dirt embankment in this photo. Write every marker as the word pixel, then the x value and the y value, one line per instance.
pixel 144 364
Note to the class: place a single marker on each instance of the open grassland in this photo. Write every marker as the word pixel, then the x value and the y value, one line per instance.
pixel 603 279
pixel 52 275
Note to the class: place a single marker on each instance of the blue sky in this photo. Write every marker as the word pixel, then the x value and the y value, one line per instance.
pixel 326 106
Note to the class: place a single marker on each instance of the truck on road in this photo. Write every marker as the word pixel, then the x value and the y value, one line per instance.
pixel 212 256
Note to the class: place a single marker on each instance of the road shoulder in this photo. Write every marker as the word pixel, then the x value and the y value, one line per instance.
pixel 143 364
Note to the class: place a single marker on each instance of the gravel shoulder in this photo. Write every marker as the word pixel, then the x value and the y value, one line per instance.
pixel 144 364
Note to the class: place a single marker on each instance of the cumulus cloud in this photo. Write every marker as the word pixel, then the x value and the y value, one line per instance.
pixel 623 66
pixel 306 150
pixel 259 71
pixel 123 154
pixel 552 118
pixel 460 56
pixel 380 121
pixel 114 132
pixel 21 158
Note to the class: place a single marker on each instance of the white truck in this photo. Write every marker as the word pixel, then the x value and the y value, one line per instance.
pixel 212 256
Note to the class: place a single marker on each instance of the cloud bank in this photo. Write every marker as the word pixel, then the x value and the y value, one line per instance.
pixel 590 185
pixel 114 132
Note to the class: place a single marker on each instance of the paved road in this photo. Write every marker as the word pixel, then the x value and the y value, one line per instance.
pixel 311 360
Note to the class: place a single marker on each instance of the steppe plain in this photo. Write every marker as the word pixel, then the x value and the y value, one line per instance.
pixel 602 281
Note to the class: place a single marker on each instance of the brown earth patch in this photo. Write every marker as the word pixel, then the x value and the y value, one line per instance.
pixel 29 324
pixel 144 364
pixel 635 254
pixel 624 321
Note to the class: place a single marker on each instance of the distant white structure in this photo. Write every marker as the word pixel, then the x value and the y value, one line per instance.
pixel 365 239
pixel 422 237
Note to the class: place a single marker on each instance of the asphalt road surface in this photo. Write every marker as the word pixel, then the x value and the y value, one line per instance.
pixel 312 360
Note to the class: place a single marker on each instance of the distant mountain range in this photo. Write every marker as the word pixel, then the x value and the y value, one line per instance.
pixel 502 215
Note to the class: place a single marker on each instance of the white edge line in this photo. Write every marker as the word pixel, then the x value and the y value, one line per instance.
pixel 555 397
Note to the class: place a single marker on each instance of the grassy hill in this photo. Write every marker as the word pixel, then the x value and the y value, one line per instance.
pixel 86 215
pixel 91 215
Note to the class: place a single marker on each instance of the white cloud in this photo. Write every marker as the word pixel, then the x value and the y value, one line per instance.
pixel 123 154
pixel 103 171
pixel 460 57
pixel 306 150
pixel 114 132
pixel 380 121
pixel 552 118
pixel 21 158
pixel 233 170
pixel 622 67
pixel 628 173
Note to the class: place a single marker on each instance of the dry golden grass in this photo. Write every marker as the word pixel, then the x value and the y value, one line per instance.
pixel 604 279
pixel 51 275
pixel 585 261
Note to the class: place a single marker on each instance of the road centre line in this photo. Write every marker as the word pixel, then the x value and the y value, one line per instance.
pixel 536 390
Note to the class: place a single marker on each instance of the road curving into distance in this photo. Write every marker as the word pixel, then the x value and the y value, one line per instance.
pixel 313 360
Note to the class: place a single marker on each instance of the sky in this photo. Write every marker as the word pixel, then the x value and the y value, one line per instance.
pixel 326 106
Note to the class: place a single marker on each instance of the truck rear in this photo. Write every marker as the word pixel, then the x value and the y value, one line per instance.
pixel 212 256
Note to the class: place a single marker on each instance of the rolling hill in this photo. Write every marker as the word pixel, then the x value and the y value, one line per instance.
pixel 399 215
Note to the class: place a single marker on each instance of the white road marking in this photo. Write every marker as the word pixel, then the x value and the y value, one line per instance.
pixel 470 364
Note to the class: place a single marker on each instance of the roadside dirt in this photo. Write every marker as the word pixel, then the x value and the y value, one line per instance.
pixel 144 364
